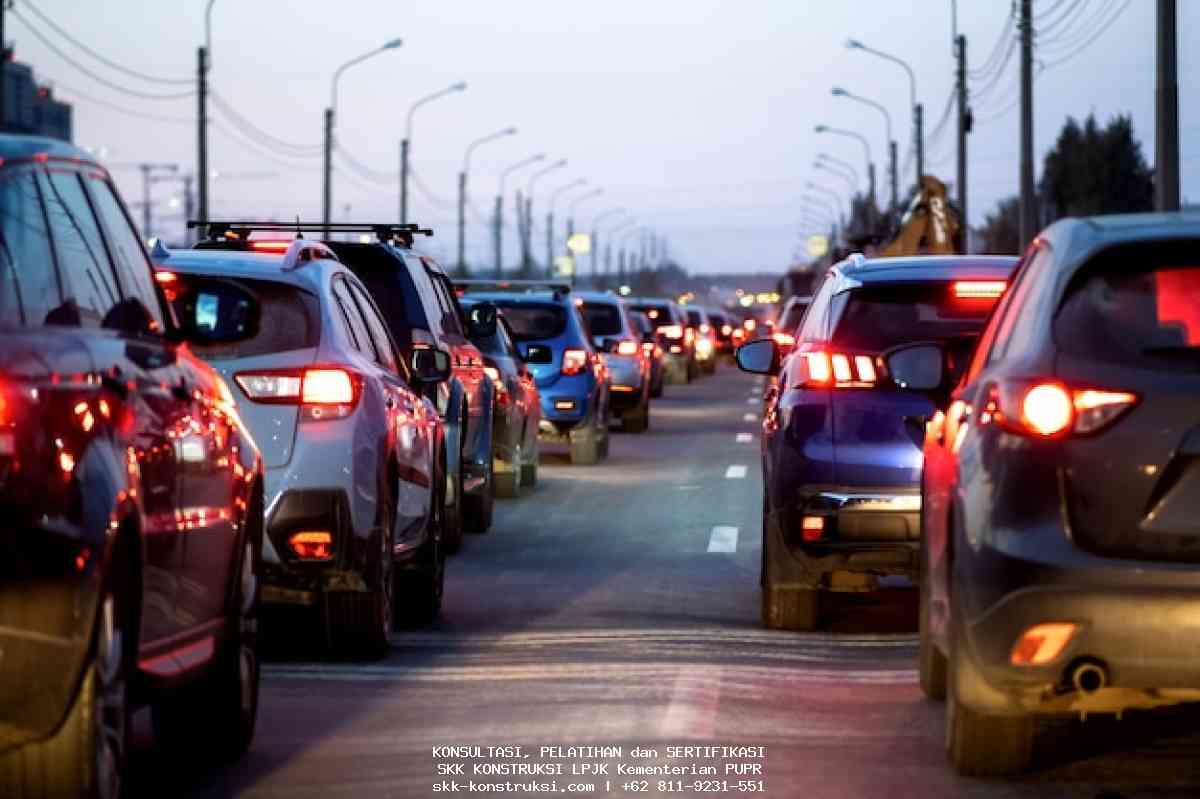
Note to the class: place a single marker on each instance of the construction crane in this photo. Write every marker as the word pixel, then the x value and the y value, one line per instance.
pixel 929 226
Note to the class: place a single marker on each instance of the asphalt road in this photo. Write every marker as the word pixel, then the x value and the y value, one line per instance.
pixel 617 605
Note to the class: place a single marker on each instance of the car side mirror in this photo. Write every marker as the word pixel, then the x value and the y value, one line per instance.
pixel 759 357
pixel 481 321
pixel 429 365
pixel 917 367
pixel 536 353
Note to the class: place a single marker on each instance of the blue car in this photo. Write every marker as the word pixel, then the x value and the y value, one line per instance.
pixel 571 375
pixel 841 443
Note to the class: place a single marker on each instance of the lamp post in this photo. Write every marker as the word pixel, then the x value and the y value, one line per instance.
pixel 611 234
pixel 554 195
pixel 595 250
pixel 846 165
pixel 526 239
pixel 866 149
pixel 887 121
pixel 834 171
pixel 405 143
pixel 571 217
pixel 202 66
pixel 329 114
pixel 837 198
pixel 499 220
pixel 621 263
pixel 917 111
pixel 462 192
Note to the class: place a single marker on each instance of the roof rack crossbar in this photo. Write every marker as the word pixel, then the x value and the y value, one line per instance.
pixel 384 230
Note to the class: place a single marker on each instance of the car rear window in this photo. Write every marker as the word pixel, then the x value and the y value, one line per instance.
pixel 602 318
pixel 1135 307
pixel 877 317
pixel 695 318
pixel 531 321
pixel 659 315
pixel 289 318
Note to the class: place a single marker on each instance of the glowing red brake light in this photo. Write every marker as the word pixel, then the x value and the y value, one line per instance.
pixel 312 545
pixel 979 289
pixel 627 347
pixel 1046 409
pixel 1050 409
pixel 648 348
pixel 164 277
pixel 574 362
pixel 270 246
pixel 671 331
pixel 328 387
pixel 836 369
pixel 785 339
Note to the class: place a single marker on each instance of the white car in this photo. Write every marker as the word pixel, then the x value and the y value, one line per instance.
pixel 354 457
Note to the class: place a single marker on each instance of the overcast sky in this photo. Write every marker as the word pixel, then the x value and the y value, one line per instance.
pixel 694 115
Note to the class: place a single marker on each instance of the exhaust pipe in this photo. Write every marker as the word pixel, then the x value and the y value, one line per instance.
pixel 1089 677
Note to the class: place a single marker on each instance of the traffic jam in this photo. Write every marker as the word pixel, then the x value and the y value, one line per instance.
pixel 298 508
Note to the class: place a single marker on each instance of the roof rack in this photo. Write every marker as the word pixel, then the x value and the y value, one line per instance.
pixel 515 286
pixel 384 231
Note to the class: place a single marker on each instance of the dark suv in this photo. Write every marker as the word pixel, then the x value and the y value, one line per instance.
pixel 131 493
pixel 1061 540
pixel 841 447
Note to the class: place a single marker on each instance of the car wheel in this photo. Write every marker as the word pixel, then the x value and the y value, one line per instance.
pixel 984 744
pixel 785 608
pixel 418 593
pixel 87 756
pixel 479 507
pixel 656 390
pixel 452 537
pixel 361 621
pixel 585 448
pixel 508 484
pixel 931 661
pixel 529 471
pixel 215 717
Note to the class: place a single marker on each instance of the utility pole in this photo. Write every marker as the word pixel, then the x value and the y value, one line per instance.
pixel 188 206
pixel 404 181
pixel 522 225
pixel 919 124
pixel 1166 137
pixel 148 171
pixel 550 241
pixel 1028 211
pixel 327 193
pixel 964 127
pixel 496 234
pixel 895 176
pixel 462 223
pixel 871 180
pixel 3 69
pixel 202 129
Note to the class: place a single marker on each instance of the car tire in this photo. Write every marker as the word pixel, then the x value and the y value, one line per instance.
pixel 791 609
pixel 585 448
pixel 529 471
pixel 452 538
pixel 980 744
pixel 710 366
pixel 479 508
pixel 931 661
pixel 656 390
pixel 215 717
pixel 86 757
pixel 417 594
pixel 636 421
pixel 508 484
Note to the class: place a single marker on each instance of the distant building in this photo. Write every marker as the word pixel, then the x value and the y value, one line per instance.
pixel 29 108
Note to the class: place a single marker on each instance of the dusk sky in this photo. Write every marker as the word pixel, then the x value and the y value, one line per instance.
pixel 696 116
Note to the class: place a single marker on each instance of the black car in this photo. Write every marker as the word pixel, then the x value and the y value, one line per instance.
pixel 1060 552
pixel 841 453
pixel 129 561
pixel 518 409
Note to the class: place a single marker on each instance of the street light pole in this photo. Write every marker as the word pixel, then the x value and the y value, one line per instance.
pixel 533 159
pixel 554 195
pixel 887 121
pixel 405 142
pixel 1028 209
pixel 917 110
pixel 1166 138
pixel 595 249
pixel 846 165
pixel 526 239
pixel 329 112
pixel 866 149
pixel 462 192
pixel 202 65
pixel 831 170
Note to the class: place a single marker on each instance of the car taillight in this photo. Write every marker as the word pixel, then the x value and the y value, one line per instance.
pixel 673 332
pixel 689 335
pixel 979 289
pixel 785 339
pixel 574 362
pixel 312 545
pixel 627 347
pixel 271 246
pixel 648 348
pixel 836 369
pixel 1051 409
pixel 324 393
pixel 726 330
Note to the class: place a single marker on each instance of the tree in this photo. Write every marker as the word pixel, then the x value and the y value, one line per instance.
pixel 1095 171
pixel 1001 231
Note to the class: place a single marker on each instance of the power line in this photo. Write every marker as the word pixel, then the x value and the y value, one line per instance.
pixel 250 144
pixel 429 194
pixel 59 86
pixel 99 79
pixel 993 58
pixel 366 171
pixel 253 131
pixel 106 61
pixel 1095 34
pixel 1049 27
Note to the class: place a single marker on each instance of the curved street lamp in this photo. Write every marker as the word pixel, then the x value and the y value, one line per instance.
pixel 554 195
pixel 533 159
pixel 846 165
pixel 917 111
pixel 887 121
pixel 834 171
pixel 461 86
pixel 327 199
pixel 527 237
pixel 866 149
pixel 462 191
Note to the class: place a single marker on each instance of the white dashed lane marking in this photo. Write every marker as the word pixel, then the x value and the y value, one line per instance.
pixel 724 539
pixel 753 401
pixel 735 472
pixel 744 438
pixel 750 417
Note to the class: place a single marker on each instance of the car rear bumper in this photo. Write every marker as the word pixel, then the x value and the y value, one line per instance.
pixel 1140 622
